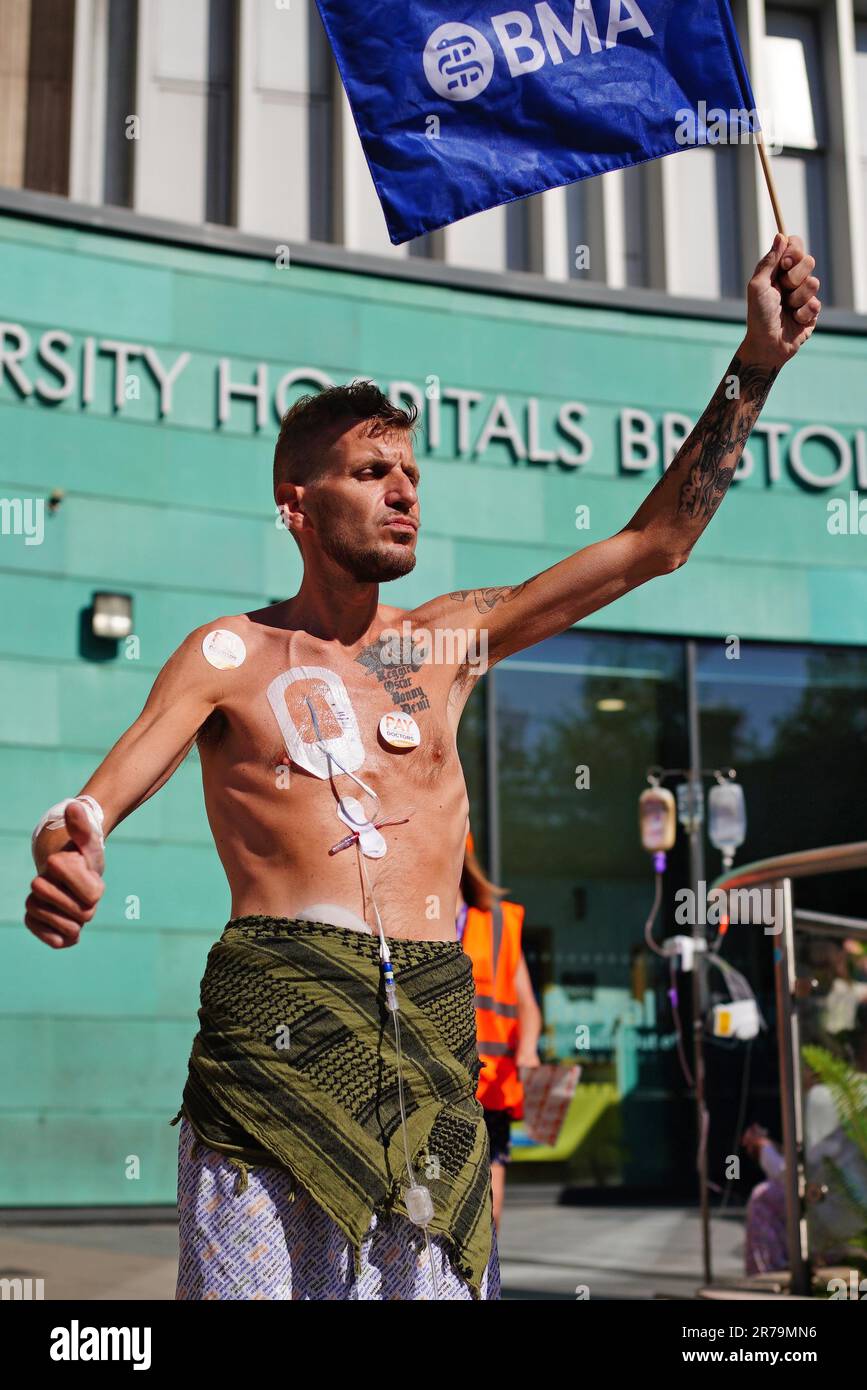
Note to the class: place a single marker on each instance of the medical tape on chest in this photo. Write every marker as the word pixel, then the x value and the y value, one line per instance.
pixel 321 734
pixel 312 707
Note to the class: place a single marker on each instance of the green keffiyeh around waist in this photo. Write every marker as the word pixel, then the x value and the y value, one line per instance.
pixel 294 1066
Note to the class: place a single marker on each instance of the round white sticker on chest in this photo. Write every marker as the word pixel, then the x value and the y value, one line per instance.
pixel 399 730
pixel 224 649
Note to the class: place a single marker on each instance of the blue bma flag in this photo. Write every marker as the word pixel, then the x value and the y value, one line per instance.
pixel 462 106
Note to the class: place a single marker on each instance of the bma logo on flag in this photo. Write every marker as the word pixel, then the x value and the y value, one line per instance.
pixel 458 61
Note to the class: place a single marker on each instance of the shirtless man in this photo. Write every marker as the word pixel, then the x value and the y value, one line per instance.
pixel 347 483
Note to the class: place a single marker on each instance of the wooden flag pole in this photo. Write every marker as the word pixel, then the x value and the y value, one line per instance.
pixel 769 180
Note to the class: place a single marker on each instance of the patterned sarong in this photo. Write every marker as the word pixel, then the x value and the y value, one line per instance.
pixel 294 1067
pixel 273 1242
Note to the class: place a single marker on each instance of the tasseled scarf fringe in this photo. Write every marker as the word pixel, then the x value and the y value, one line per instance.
pixel 242 1181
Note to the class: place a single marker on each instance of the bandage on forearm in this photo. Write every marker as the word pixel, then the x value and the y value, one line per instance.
pixel 54 818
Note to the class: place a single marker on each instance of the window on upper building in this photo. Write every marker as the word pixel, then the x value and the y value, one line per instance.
pixel 795 121
pixel 635 227
pixel 36 47
pixel 184 105
pixel 119 101
pixel 518 234
pixel 289 167
pixel 585 250
pixel 703 221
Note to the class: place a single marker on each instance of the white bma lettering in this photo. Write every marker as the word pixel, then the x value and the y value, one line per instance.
pixel 525 53
pixel 553 28
pixel 519 42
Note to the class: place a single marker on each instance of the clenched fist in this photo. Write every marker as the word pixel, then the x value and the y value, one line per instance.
pixel 782 303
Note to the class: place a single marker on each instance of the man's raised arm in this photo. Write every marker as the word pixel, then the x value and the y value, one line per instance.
pixel 69 859
pixel 782 310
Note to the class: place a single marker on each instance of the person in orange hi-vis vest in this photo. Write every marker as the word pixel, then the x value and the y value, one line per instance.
pixel 508 1019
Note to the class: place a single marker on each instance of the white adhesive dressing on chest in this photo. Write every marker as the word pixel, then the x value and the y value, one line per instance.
pixel 288 694
pixel 353 814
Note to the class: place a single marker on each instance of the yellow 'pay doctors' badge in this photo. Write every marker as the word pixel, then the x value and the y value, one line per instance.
pixel 399 730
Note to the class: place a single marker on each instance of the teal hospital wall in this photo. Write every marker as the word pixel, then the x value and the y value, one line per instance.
pixel 178 512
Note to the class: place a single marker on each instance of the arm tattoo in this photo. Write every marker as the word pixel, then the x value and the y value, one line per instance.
pixel 486 599
pixel 723 430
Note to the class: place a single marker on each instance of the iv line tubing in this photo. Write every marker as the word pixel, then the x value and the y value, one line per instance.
pixel 385 958
pixel 648 926
pixel 330 756
pixel 383 950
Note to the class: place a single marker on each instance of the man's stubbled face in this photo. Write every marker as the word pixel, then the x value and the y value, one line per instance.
pixel 364 507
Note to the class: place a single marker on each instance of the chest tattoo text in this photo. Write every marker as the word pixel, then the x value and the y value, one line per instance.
pixel 398 680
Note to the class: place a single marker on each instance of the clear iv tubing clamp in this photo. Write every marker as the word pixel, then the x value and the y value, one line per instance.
pixel 419 1204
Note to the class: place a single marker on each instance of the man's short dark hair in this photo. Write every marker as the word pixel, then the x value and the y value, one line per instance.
pixel 299 453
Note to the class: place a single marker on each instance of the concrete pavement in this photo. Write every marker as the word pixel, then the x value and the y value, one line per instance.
pixel 546 1252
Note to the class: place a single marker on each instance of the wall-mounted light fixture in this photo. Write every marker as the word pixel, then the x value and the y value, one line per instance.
pixel 111 616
